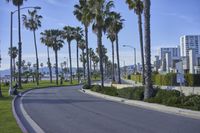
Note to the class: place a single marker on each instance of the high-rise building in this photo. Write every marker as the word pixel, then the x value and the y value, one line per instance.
pixel 188 42
pixel 173 56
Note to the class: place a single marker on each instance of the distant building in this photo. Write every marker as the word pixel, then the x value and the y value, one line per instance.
pixel 188 42
pixel 169 56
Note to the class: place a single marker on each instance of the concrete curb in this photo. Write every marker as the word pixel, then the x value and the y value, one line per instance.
pixel 32 123
pixel 145 105
pixel 16 116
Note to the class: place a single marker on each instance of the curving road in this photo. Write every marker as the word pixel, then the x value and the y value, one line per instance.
pixel 67 110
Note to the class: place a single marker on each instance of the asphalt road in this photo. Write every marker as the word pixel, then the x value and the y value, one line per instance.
pixel 67 110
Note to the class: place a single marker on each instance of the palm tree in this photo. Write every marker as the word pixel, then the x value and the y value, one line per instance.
pixel 56 42
pixel 95 60
pixel 78 36
pixel 19 3
pixel 13 56
pixel 69 33
pixel 147 40
pixel 100 10
pixel 83 14
pixel 46 39
pixel 138 7
pixel 82 47
pixel 116 24
pixel 111 36
pixel 29 66
pixel 32 22
pixel 91 54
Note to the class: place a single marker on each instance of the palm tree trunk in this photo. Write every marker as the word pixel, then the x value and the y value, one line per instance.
pixel 83 64
pixel 70 61
pixel 20 49
pixel 77 54
pixel 56 57
pixel 118 63
pixel 113 62
pixel 87 56
pixel 141 46
pixel 37 61
pixel 99 37
pixel 49 65
pixel 148 86
pixel 14 68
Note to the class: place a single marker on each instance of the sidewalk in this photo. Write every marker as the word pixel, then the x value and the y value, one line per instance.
pixel 151 106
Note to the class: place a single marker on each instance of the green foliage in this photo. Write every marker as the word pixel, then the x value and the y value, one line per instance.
pixel 86 86
pixel 136 93
pixel 192 79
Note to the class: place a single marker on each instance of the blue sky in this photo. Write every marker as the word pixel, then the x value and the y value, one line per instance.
pixel 169 21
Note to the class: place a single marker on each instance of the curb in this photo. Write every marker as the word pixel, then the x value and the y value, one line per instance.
pixel 16 116
pixel 25 114
pixel 152 106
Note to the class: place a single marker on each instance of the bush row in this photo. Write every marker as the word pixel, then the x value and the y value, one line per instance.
pixel 165 97
pixel 169 79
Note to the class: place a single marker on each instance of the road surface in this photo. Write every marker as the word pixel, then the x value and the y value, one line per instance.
pixel 67 110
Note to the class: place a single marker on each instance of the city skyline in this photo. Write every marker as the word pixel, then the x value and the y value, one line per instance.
pixel 178 21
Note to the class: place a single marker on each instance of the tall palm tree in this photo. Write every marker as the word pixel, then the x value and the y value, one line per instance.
pixel 91 54
pixel 95 60
pixel 138 7
pixel 32 22
pixel 56 42
pixel 82 47
pixel 111 36
pixel 29 66
pixel 68 34
pixel 83 14
pixel 46 39
pixel 78 36
pixel 147 40
pixel 19 3
pixel 100 10
pixel 116 24
pixel 13 56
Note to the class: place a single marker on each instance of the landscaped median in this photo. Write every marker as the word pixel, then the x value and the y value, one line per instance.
pixel 7 121
pixel 169 101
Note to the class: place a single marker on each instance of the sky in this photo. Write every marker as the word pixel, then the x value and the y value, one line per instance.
pixel 169 21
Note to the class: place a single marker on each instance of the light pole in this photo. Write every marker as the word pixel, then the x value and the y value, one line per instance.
pixel 11 41
pixel 135 66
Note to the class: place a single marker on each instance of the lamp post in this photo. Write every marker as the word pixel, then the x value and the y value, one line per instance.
pixel 135 66
pixel 11 41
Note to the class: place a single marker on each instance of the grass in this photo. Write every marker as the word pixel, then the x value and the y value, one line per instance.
pixel 8 123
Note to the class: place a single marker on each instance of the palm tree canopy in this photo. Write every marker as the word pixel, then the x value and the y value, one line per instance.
pixel 114 23
pixel 83 13
pixel 32 21
pixel 52 38
pixel 16 2
pixel 78 33
pixel 136 5
pixel 81 44
pixel 69 33
pixel 14 52
pixel 100 9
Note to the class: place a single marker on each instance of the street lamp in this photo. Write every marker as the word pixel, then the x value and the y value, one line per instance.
pixel 135 67
pixel 11 40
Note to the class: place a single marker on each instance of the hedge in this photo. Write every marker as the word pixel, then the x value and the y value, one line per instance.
pixel 169 79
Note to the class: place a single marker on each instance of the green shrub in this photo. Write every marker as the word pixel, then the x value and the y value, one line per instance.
pixel 112 91
pixel 129 77
pixel 86 86
pixel 96 88
pixel 138 93
pixel 193 102
pixel 167 97
pixel 125 92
